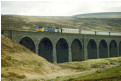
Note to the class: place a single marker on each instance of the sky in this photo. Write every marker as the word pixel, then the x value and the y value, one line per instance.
pixel 58 8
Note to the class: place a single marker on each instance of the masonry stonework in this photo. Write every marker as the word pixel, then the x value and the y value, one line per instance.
pixel 66 46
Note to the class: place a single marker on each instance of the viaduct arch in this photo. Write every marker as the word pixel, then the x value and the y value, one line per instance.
pixel 113 48
pixel 92 49
pixel 46 49
pixel 59 48
pixel 103 49
pixel 62 51
pixel 28 43
pixel 76 49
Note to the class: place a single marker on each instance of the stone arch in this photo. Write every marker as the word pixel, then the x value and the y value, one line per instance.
pixel 62 51
pixel 28 43
pixel 103 49
pixel 92 49
pixel 76 50
pixel 120 48
pixel 113 49
pixel 45 49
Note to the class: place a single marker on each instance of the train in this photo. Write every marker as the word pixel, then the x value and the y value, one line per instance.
pixel 49 29
pixel 76 31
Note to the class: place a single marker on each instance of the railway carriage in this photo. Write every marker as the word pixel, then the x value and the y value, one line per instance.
pixel 68 30
pixel 87 32
pixel 102 33
pixel 115 34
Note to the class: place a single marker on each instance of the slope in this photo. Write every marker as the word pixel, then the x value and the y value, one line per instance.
pixel 18 63
pixel 31 23
pixel 100 15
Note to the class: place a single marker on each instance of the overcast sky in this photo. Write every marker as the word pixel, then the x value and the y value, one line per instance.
pixel 58 8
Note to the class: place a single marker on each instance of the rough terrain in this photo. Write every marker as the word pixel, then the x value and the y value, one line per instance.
pixel 20 64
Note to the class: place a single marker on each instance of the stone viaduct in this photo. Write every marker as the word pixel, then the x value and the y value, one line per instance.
pixel 59 48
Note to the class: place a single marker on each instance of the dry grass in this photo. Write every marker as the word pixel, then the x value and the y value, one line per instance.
pixel 31 23
pixel 19 62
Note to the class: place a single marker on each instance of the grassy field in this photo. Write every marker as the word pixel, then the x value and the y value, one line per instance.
pixel 31 23
pixel 109 75
pixel 93 70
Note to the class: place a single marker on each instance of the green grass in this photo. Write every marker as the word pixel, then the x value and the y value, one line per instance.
pixel 114 74
pixel 91 63
pixel 89 67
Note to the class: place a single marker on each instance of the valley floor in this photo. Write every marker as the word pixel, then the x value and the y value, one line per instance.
pixel 93 70
pixel 90 70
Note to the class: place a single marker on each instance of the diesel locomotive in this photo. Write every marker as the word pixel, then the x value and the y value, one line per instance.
pixel 49 29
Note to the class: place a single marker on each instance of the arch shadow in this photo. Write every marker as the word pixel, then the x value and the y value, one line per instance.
pixel 120 48
pixel 28 43
pixel 103 49
pixel 113 49
pixel 76 50
pixel 45 49
pixel 92 49
pixel 62 51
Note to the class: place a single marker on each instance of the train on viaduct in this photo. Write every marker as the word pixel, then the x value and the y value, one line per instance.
pixel 59 48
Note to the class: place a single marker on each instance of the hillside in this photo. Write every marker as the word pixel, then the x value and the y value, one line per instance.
pixel 18 64
pixel 100 15
pixel 31 23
